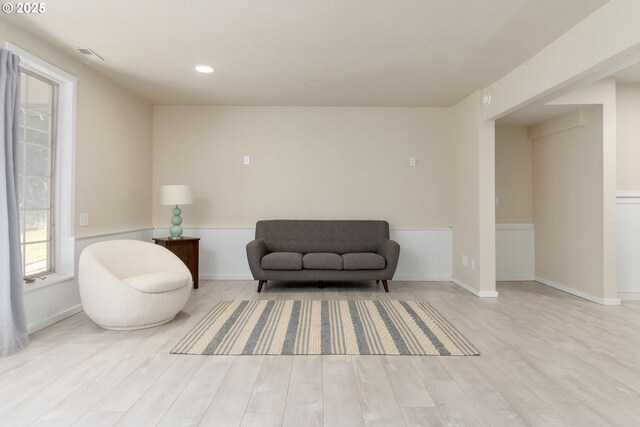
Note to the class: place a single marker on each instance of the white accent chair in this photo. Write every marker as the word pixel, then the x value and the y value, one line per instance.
pixel 131 284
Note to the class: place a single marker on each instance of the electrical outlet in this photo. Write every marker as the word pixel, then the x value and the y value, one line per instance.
pixel 412 161
pixel 465 260
pixel 246 160
pixel 473 264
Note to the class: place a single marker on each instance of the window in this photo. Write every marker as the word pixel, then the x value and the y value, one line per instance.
pixel 36 169
pixel 45 184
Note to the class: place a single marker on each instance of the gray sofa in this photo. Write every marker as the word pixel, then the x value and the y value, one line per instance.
pixel 322 251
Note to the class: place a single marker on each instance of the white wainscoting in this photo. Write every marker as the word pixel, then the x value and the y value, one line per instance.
pixel 628 245
pixel 222 251
pixel 425 254
pixel 50 303
pixel 515 252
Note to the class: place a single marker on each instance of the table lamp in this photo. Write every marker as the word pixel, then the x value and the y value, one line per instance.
pixel 176 195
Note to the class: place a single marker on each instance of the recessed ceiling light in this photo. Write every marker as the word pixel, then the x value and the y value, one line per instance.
pixel 204 69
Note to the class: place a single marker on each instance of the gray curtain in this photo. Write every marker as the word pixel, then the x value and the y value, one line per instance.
pixel 13 322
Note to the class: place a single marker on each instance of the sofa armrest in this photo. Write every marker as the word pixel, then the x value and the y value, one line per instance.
pixel 256 249
pixel 390 250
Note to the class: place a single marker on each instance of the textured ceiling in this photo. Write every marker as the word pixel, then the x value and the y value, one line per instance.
pixel 429 53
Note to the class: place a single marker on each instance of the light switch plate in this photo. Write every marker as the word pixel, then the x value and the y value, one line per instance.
pixel 473 264
pixel 465 260
pixel 246 160
pixel 412 161
pixel 84 220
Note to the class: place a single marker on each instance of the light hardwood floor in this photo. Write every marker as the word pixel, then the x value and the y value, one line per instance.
pixel 547 358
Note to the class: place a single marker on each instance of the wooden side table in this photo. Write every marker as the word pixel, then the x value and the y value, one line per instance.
pixel 187 249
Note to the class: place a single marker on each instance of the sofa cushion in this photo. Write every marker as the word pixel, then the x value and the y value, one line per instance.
pixel 322 261
pixel 282 261
pixel 307 236
pixel 152 283
pixel 363 261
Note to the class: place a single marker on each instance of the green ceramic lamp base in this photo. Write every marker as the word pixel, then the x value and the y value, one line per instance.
pixel 176 229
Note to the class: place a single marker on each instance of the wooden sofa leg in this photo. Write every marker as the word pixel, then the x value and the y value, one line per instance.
pixel 260 283
pixel 386 287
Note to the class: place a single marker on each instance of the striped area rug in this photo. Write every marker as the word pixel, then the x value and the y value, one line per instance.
pixel 325 327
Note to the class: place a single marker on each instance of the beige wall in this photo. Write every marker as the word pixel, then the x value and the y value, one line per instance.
pixel 628 133
pixel 567 205
pixel 306 162
pixel 602 93
pixel 113 143
pixel 473 192
pixel 514 175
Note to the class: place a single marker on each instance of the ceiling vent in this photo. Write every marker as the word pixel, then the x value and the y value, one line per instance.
pixel 90 55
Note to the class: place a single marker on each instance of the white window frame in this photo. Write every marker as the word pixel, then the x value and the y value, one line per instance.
pixel 50 237
pixel 63 203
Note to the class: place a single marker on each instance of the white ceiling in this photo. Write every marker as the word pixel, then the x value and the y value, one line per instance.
pixel 307 52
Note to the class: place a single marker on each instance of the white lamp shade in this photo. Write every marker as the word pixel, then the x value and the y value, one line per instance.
pixel 175 195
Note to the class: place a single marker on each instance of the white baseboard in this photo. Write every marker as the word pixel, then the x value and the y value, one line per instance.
pixel 573 291
pixel 225 277
pixel 629 296
pixel 516 278
pixel 427 278
pixel 488 294
pixel 54 319
pixel 395 279
pixel 480 294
